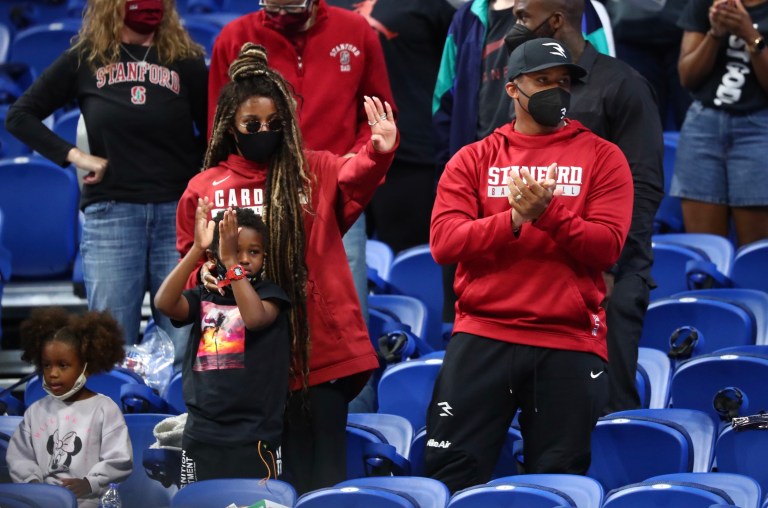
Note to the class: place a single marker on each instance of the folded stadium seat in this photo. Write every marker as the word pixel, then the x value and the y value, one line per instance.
pixel 405 389
pixel 684 261
pixel 43 241
pixel 8 425
pixel 35 495
pixel 753 301
pixel 415 273
pixel 723 384
pixel 400 337
pixel 138 489
pixel 506 465
pixel 743 452
pixel 240 491
pixel 655 369
pixel 39 45
pixel 427 492
pixel 749 264
pixel 690 324
pixel 669 216
pixel 689 490
pixel 583 490
pixel 378 259
pixel 511 494
pixel 378 445
pixel 630 446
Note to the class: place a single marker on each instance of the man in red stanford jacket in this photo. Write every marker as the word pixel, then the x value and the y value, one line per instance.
pixel 532 214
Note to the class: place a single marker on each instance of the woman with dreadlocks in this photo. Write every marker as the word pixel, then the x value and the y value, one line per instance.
pixel 308 199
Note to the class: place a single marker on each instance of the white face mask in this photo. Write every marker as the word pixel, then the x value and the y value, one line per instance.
pixel 79 383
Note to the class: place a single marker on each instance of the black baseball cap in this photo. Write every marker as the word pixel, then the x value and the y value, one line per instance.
pixel 539 54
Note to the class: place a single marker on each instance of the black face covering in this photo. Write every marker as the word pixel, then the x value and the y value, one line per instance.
pixel 259 146
pixel 521 33
pixel 549 106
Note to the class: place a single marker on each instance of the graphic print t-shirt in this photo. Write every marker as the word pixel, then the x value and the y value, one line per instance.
pixel 235 380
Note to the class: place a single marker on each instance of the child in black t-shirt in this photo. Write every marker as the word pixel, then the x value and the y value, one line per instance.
pixel 235 371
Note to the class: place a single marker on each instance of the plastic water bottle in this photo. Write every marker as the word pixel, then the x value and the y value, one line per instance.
pixel 111 498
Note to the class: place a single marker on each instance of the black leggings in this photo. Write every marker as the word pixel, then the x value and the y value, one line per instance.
pixel 314 436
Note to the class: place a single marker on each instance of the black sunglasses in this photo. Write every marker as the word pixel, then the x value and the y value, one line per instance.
pixel 254 126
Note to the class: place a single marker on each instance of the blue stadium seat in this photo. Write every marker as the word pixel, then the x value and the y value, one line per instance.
pixel 405 389
pixel 753 301
pixel 404 309
pixel 427 492
pixel 377 444
pixel 35 495
pixel 630 446
pixel 5 264
pixel 9 146
pixel 684 261
pixel 734 380
pixel 241 491
pixel 39 45
pixel 657 372
pixel 686 325
pixel 511 494
pixel 240 6
pixel 203 32
pixel 749 266
pixel 66 125
pixel 8 425
pixel 583 490
pixel 669 216
pixel 743 452
pixel 5 42
pixel 174 395
pixel 415 273
pixel 378 259
pixel 203 6
pixel 355 497
pixel 43 240
pixel 138 489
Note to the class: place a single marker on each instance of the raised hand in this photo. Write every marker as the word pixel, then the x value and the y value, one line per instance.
pixel 382 122
pixel 228 233
pixel 203 226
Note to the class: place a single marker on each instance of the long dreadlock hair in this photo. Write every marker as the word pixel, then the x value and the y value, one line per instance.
pixel 288 184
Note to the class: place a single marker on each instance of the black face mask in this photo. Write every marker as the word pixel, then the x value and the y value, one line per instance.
pixel 521 33
pixel 259 146
pixel 549 106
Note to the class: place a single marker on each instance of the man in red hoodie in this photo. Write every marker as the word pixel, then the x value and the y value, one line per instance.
pixel 532 214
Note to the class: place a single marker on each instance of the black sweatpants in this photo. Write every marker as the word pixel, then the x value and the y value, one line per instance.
pixel 314 436
pixel 481 385
pixel 206 461
pixel 625 314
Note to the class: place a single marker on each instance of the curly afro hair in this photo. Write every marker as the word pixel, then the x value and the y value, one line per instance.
pixel 96 336
pixel 246 218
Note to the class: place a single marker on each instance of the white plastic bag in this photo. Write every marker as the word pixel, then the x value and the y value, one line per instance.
pixel 153 358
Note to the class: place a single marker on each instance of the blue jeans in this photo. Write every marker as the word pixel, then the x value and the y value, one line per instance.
pixel 129 248
pixel 354 246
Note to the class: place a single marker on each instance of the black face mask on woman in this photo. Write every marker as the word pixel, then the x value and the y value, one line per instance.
pixel 548 107
pixel 259 146
pixel 521 33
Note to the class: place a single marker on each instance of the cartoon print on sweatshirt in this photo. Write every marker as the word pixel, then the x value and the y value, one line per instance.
pixel 222 344
pixel 62 450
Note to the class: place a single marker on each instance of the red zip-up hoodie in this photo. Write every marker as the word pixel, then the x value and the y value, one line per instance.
pixel 331 67
pixel 341 188
pixel 544 286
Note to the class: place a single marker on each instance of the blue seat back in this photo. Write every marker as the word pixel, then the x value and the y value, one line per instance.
pixel 202 32
pixel 35 495
pixel 377 444
pixel 743 490
pixel 174 394
pixel 753 301
pixel 405 309
pixel 586 492
pixel 108 383
pixel 5 42
pixel 379 257
pixel 241 491
pixel 8 425
pixel 415 273
pixel 138 489
pixel 743 453
pixel 696 382
pixel 669 216
pixel 508 494
pixel 65 126
pixel 646 494
pixel 749 266
pixel 240 6
pixel 43 240
pixel 719 250
pixel 39 45
pixel 355 497
pixel 718 323
pixel 427 492
pixel 630 446
pixel 10 146
pixel 405 389
pixel 657 372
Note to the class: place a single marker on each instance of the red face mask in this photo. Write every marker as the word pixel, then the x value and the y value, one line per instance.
pixel 143 16
pixel 289 22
